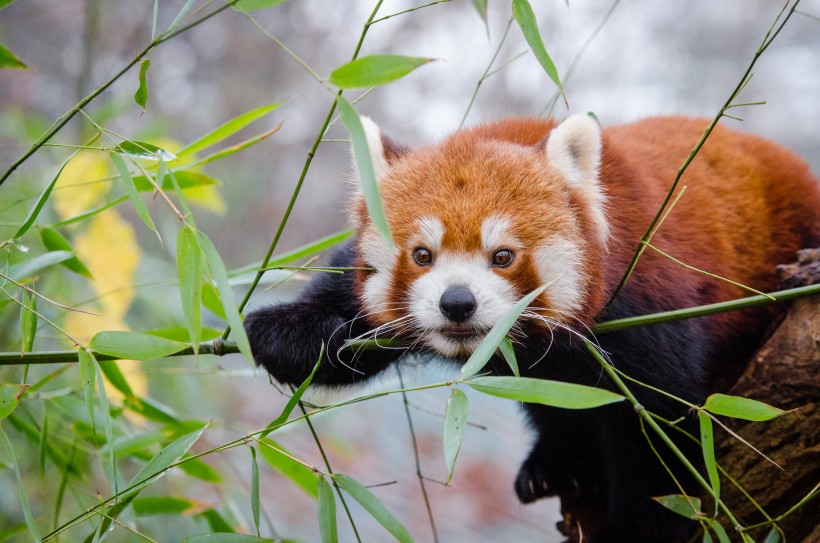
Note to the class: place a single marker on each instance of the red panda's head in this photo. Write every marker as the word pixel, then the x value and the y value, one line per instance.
pixel 478 222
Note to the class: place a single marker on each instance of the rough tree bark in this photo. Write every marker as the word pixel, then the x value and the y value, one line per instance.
pixel 785 372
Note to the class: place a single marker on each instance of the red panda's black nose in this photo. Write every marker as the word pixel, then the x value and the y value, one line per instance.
pixel 457 304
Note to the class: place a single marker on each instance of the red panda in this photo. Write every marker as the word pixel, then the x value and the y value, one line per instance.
pixel 491 213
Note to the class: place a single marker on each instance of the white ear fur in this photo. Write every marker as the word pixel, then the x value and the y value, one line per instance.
pixel 574 149
pixel 374 143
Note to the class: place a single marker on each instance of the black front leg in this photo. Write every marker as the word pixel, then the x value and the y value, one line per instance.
pixel 286 339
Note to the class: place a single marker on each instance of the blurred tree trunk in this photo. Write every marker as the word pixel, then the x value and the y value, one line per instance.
pixel 785 373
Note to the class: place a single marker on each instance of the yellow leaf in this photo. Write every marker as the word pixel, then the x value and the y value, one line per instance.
pixel 80 187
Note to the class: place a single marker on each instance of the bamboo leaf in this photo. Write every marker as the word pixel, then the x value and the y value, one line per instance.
pixel 5 3
pixel 159 464
pixel 210 299
pixel 721 534
pixel 740 408
pixel 373 506
pixel 90 213
pixel 481 8
pixel 10 396
pixel 252 5
pixel 147 151
pixel 490 344
pixel 543 391
pixel 28 321
pixel 508 352
pixel 131 191
pixel 41 201
pixel 279 459
pixel 370 188
pixel 374 70
pixel 230 150
pixel 9 59
pixel 294 399
pixel 685 506
pixel 304 251
pixel 327 513
pixel 773 536
pixel 455 419
pixel 88 377
pixel 141 96
pixel 109 431
pixel 227 129
pixel 54 241
pixel 522 11
pixel 134 345
pixel 198 468
pixel 185 178
pixel 707 443
pixel 255 489
pixel 21 491
pixel 112 372
pixel 31 267
pixel 161 505
pixel 225 538
pixel 189 272
pixel 217 268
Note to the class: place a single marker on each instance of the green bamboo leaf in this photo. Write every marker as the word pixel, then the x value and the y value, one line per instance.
pixel 481 8
pixel 147 151
pixel 189 271
pixel 370 187
pixel 31 267
pixel 134 345
pixel 109 431
pixel 159 464
pixel 28 321
pixel 131 191
pixel 42 446
pixel 294 399
pixel 141 96
pixel 721 534
pixel 543 391
pixel 707 537
pixel 10 60
pixel 232 149
pixel 181 14
pixel 506 348
pixel 455 419
pixel 226 538
pixel 90 213
pixel 199 469
pixel 522 11
pixel 707 443
pixel 185 178
pixel 773 536
pixel 327 513
pixel 21 491
pixel 153 410
pixel 490 344
pixel 54 241
pixel 374 70
pixel 685 506
pixel 275 456
pixel 180 333
pixel 161 505
pixel 740 408
pixel 210 299
pixel 41 201
pixel 217 268
pixel 112 372
pixel 252 5
pixel 5 3
pixel 87 376
pixel 373 506
pixel 254 489
pixel 304 251
pixel 227 129
pixel 10 396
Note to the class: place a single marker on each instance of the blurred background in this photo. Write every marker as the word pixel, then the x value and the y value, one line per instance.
pixel 640 58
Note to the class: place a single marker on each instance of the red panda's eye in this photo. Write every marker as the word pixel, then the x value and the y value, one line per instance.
pixel 502 258
pixel 422 256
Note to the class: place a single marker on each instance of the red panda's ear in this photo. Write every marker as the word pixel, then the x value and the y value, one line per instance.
pixel 383 150
pixel 574 150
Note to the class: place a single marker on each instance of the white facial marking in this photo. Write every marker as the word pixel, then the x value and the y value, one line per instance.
pixel 431 232
pixel 495 233
pixel 494 297
pixel 560 261
pixel 378 255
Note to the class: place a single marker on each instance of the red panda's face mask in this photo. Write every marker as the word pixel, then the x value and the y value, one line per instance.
pixel 476 225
